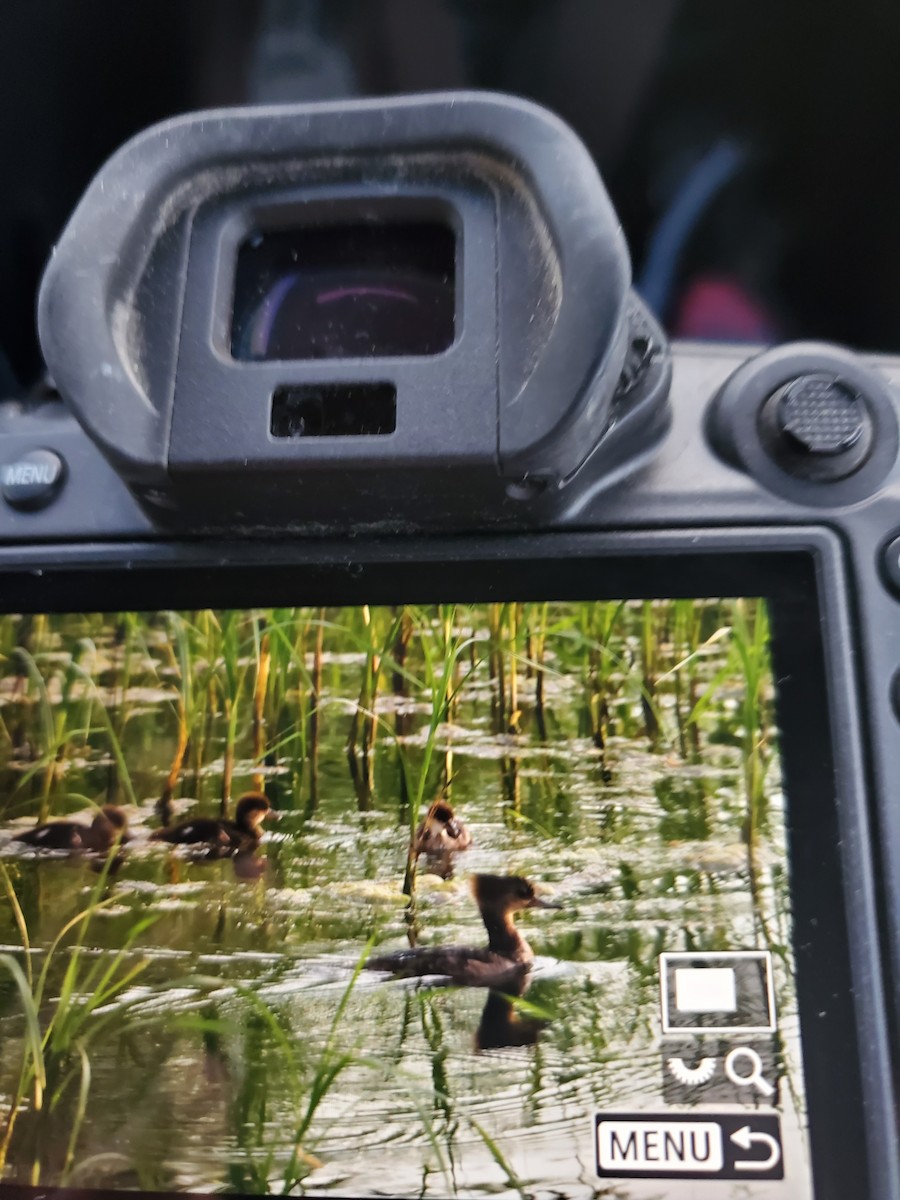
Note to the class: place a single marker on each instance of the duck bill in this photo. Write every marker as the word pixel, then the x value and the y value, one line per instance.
pixel 537 902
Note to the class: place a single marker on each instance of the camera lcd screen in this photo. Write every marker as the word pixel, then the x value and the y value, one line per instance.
pixel 345 291
pixel 522 926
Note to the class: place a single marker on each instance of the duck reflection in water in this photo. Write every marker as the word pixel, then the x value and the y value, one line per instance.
pixel 440 837
pixel 502 1024
pixel 503 964
pixel 249 865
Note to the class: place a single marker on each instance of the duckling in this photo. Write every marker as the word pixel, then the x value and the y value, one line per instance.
pixel 219 834
pixel 441 832
pixel 501 964
pixel 109 825
pixel 439 838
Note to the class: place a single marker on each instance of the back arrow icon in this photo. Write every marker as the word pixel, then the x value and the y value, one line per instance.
pixel 745 1137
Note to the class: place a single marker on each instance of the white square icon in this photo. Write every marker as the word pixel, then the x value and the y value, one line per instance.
pixel 725 991
pixel 705 989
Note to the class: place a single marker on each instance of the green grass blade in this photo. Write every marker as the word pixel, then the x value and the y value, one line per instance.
pixel 84 1089
pixel 33 1040
pixel 497 1155
pixel 21 923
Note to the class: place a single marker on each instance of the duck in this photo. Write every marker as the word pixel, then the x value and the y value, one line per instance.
pixel 441 831
pixel 501 964
pixel 110 825
pixel 439 838
pixel 218 834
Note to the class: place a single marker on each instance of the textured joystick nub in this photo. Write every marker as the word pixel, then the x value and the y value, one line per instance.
pixel 816 427
pixel 820 415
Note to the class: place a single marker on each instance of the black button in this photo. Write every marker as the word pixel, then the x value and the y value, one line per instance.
pixel 821 415
pixel 816 427
pixel 33 479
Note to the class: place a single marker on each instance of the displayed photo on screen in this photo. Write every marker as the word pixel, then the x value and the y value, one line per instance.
pixel 395 901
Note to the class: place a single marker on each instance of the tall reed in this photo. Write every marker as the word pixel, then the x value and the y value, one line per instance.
pixel 650 657
pixel 260 686
pixel 361 734
pixel 439 663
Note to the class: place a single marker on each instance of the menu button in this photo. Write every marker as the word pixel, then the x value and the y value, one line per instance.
pixel 33 479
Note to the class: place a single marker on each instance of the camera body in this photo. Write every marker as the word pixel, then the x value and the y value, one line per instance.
pixel 462 395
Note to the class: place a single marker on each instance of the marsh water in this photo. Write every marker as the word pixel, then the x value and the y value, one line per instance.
pixel 206 1025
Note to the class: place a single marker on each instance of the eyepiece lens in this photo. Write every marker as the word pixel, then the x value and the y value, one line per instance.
pixel 345 291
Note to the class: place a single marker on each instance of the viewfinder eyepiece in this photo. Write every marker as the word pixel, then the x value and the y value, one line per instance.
pixel 367 290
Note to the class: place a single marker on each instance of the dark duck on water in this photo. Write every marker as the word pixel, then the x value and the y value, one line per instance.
pixel 219 834
pixel 502 963
pixel 108 826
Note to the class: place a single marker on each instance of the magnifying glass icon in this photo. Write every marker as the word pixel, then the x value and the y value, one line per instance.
pixel 755 1076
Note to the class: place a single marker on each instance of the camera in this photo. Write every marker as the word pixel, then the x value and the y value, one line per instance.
pixel 360 421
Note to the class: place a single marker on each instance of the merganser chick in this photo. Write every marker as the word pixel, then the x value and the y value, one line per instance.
pixel 219 834
pixel 501 964
pixel 109 825
pixel 441 832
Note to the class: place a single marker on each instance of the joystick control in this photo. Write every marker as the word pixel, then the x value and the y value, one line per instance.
pixel 817 427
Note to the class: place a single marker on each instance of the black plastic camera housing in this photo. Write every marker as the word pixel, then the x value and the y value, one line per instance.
pixel 462 398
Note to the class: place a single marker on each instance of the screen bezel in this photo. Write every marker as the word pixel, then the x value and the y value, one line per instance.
pixel 836 944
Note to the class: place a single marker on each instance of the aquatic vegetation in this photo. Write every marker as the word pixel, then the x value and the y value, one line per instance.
pixel 248 688
pixel 263 1166
pixel 59 1007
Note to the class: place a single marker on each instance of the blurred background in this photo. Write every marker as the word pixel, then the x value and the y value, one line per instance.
pixel 750 148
